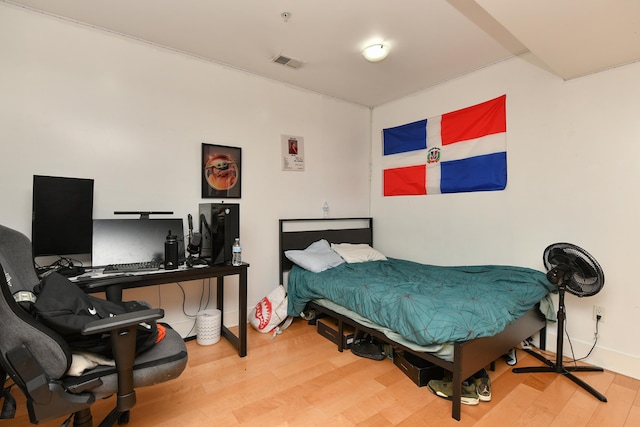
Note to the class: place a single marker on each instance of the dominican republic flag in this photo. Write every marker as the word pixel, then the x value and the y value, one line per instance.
pixel 461 151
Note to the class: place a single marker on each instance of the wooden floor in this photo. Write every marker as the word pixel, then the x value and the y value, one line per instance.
pixel 300 379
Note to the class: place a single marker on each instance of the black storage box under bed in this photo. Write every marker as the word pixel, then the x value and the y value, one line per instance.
pixel 419 370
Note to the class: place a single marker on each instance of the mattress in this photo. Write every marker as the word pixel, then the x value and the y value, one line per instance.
pixel 424 304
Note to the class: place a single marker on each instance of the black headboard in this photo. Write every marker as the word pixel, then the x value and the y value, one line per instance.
pixel 300 233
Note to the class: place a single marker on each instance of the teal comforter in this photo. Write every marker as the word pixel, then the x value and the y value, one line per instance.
pixel 425 304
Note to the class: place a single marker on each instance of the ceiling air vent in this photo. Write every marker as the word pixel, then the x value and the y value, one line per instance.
pixel 289 62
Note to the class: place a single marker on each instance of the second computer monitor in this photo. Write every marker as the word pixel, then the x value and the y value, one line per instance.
pixel 123 241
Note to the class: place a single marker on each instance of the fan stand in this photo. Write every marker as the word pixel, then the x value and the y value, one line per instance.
pixel 558 367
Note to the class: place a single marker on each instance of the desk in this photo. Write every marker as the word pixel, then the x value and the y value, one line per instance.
pixel 113 286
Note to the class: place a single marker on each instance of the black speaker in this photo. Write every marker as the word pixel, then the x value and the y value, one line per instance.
pixel 219 226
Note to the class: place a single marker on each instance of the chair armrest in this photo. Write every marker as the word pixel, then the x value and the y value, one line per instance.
pixel 122 321
pixel 123 331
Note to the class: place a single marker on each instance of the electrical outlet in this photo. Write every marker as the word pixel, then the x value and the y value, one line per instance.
pixel 599 311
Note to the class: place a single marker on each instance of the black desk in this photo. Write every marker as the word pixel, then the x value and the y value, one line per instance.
pixel 113 287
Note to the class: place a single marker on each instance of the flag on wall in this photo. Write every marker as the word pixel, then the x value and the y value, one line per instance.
pixel 461 151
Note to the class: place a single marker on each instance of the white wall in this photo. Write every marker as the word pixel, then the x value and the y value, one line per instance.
pixel 79 102
pixel 572 150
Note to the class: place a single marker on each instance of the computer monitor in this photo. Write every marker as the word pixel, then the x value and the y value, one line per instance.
pixel 124 241
pixel 62 213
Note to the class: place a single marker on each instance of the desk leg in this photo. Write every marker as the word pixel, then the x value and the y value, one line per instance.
pixel 242 319
pixel 220 297
pixel 114 293
pixel 240 341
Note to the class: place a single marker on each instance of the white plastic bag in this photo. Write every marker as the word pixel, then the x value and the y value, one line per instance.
pixel 271 312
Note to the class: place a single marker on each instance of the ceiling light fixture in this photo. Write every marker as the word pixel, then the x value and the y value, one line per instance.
pixel 376 52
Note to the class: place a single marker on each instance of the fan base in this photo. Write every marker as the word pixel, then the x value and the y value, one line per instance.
pixel 566 371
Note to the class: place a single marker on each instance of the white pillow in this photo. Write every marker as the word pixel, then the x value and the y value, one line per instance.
pixel 352 253
pixel 317 257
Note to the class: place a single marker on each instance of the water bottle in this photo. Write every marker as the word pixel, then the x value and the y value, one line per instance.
pixel 171 252
pixel 325 210
pixel 236 250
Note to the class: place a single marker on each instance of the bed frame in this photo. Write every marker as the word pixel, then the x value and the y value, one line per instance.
pixel 468 356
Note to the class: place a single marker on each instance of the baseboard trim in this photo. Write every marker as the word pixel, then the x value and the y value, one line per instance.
pixel 609 359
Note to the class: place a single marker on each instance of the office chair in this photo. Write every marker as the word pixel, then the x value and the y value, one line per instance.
pixel 37 358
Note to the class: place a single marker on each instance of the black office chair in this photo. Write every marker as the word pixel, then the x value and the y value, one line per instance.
pixel 37 358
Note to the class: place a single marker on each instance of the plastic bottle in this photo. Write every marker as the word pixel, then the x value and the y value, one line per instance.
pixel 325 210
pixel 236 250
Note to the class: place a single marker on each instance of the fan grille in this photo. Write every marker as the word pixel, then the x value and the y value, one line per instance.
pixel 586 278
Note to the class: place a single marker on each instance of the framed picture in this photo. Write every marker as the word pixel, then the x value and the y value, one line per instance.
pixel 221 171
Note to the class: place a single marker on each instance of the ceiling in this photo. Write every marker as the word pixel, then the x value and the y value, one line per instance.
pixel 431 41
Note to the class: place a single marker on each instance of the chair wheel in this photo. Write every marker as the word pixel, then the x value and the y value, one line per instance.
pixel 124 418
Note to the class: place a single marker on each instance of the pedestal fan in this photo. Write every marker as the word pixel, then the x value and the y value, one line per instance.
pixel 571 269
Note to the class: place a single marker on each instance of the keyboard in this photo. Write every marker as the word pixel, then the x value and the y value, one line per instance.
pixel 132 267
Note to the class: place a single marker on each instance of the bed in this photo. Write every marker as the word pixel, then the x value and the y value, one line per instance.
pixel 343 291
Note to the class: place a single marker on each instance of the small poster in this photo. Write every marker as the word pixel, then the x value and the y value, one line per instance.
pixel 292 153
